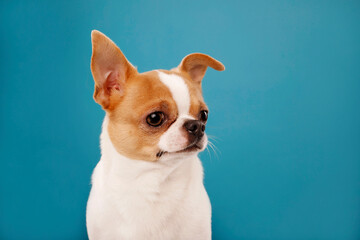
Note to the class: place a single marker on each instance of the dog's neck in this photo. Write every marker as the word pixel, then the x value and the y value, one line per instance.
pixel 118 166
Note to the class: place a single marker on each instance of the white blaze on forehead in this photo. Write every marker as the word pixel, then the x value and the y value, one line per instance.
pixel 179 91
pixel 175 139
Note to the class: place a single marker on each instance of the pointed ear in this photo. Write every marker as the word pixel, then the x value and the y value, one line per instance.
pixel 109 67
pixel 195 65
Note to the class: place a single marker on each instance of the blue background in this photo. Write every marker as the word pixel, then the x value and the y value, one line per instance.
pixel 285 113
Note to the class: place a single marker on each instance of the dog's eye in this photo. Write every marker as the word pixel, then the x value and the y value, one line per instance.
pixel 203 115
pixel 155 119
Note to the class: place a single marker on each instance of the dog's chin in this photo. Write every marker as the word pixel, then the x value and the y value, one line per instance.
pixel 191 149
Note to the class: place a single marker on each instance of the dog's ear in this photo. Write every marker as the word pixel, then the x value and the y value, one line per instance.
pixel 195 65
pixel 109 67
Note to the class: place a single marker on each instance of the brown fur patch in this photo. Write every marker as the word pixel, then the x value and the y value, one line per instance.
pixel 131 135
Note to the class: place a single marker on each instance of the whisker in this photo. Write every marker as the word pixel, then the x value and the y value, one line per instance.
pixel 213 138
pixel 216 148
pixel 213 148
pixel 208 152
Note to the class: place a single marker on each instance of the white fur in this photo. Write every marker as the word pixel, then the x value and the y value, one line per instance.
pixel 139 200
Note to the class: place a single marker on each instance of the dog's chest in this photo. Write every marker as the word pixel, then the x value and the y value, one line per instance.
pixel 150 206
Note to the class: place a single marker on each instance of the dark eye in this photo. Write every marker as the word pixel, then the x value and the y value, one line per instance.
pixel 203 115
pixel 155 119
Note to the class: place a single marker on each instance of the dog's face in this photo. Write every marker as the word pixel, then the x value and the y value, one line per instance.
pixel 153 114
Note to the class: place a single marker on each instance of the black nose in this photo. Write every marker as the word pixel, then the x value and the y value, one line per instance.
pixel 195 127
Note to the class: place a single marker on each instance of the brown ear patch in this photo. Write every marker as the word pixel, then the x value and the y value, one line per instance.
pixel 109 67
pixel 195 65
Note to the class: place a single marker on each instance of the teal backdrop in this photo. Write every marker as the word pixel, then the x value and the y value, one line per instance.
pixel 285 115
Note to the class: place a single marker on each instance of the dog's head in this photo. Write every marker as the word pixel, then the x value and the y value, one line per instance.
pixel 151 114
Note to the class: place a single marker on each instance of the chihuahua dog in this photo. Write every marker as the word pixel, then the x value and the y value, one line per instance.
pixel 148 183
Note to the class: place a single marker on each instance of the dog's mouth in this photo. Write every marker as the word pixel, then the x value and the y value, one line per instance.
pixel 194 147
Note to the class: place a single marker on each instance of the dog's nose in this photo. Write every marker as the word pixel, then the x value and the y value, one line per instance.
pixel 195 127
